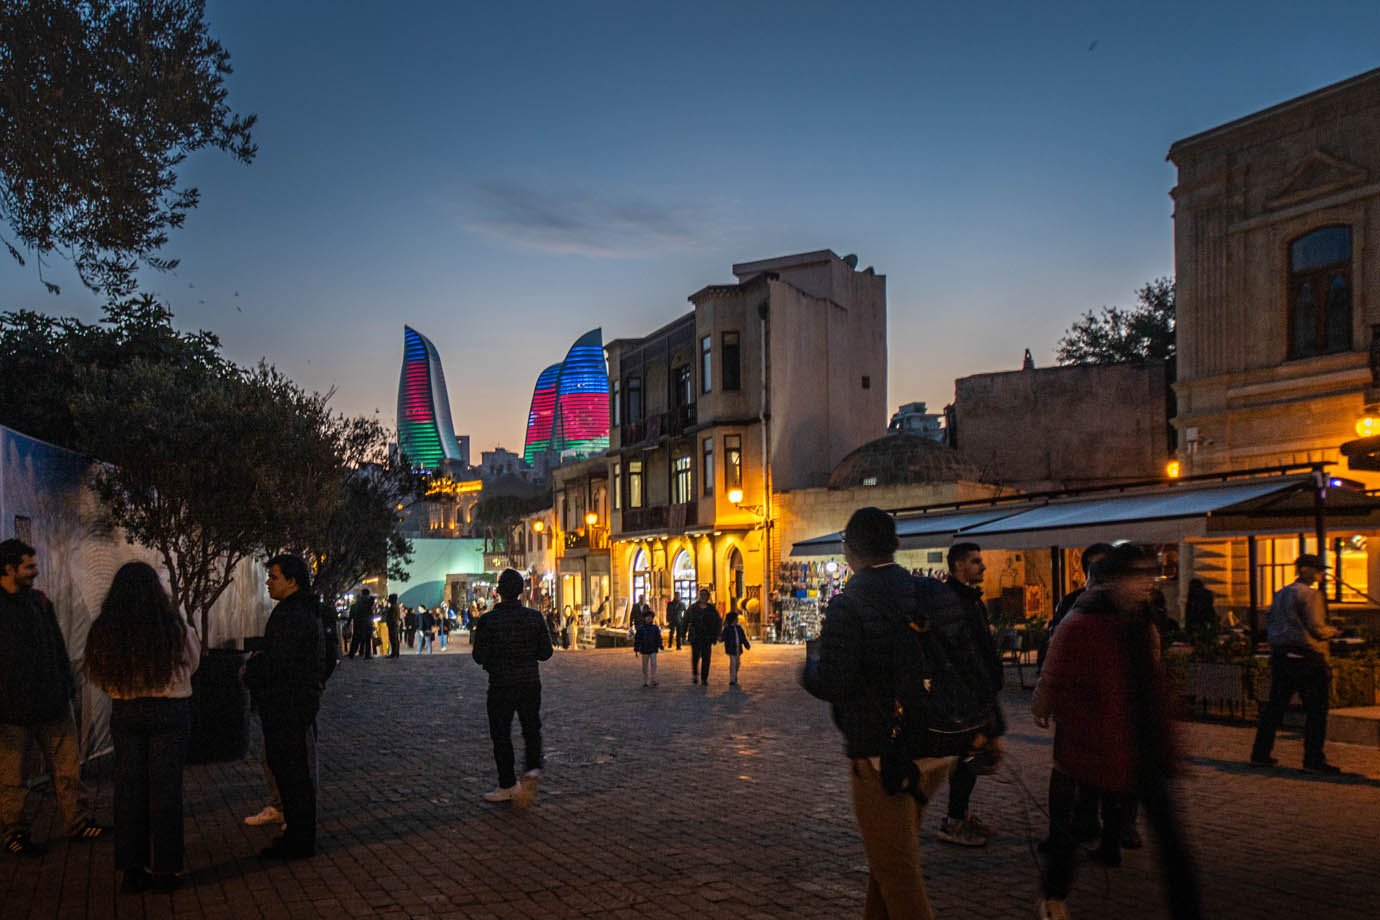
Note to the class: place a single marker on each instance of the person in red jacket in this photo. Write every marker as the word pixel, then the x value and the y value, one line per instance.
pixel 1105 690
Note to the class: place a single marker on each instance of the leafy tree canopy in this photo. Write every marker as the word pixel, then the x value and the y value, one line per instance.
pixel 1115 335
pixel 100 102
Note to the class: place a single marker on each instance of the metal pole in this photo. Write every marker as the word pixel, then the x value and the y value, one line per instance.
pixel 1320 521
pixel 765 615
pixel 1252 564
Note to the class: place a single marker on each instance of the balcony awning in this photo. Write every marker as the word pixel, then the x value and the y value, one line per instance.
pixel 1170 513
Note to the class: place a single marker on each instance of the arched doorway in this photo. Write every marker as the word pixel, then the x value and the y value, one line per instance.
pixel 683 581
pixel 735 574
pixel 640 579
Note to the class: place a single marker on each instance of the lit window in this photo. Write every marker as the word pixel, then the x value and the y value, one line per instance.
pixel 706 364
pixel 683 481
pixel 708 466
pixel 618 487
pixel 733 461
pixel 634 483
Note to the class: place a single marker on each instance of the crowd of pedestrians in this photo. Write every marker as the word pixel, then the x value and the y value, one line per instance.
pixel 908 664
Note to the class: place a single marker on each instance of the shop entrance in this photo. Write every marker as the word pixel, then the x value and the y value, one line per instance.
pixel 683 579
pixel 641 581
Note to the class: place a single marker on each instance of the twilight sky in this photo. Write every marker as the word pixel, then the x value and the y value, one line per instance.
pixel 504 177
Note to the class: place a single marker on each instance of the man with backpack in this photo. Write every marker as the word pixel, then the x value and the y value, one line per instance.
pixel 902 691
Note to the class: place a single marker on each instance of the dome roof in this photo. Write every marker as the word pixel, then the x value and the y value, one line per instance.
pixel 901 459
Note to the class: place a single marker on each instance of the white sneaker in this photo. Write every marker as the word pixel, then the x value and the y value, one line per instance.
pixel 270 815
pixel 1051 909
pixel 501 794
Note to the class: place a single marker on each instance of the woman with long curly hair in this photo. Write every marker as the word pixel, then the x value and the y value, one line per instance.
pixel 142 652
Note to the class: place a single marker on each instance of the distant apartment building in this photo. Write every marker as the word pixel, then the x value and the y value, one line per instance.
pixel 914 418
pixel 765 385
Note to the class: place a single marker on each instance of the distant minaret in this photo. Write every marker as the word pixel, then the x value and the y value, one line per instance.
pixel 1029 363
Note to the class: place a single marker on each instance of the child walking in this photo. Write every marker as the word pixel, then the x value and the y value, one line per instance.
pixel 647 642
pixel 735 643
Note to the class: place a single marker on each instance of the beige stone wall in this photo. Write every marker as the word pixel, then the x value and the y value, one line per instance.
pixel 1065 426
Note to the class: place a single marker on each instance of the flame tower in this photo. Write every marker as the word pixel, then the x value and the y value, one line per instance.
pixel 425 431
pixel 570 403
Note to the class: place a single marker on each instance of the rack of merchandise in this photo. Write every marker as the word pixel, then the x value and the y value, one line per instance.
pixel 803 593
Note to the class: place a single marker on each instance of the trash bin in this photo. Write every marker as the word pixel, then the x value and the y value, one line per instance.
pixel 220 708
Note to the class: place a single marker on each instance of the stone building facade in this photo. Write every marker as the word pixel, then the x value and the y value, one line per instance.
pixel 1277 262
pixel 764 386
pixel 1064 427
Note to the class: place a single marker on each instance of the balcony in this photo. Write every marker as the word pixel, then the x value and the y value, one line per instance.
pixel 670 518
pixel 655 427
pixel 679 419
pixel 596 539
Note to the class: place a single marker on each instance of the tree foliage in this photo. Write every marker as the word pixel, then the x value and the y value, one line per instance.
pixel 1115 335
pixel 203 461
pixel 100 103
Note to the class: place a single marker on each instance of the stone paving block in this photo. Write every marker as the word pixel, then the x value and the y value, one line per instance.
pixel 682 802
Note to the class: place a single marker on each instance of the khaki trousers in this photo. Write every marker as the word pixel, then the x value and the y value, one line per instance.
pixel 890 827
pixel 58 742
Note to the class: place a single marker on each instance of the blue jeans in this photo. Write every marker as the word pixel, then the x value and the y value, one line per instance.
pixel 423 643
pixel 150 738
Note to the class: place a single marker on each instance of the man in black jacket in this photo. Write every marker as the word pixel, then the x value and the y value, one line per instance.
pixel 362 625
pixel 675 622
pixel 284 679
pixel 857 674
pixel 36 695
pixel 705 625
pixel 509 642
pixel 966 569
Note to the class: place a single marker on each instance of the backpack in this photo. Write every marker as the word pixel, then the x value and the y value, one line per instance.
pixel 942 698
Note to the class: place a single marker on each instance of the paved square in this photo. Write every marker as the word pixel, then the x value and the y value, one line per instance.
pixel 685 801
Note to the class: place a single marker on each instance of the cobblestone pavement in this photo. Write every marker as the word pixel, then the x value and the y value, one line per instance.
pixel 685 801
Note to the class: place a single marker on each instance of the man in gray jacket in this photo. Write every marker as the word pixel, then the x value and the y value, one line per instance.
pixel 1298 634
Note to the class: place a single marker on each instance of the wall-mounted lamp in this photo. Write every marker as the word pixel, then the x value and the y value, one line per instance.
pixel 538 526
pixel 591 519
pixel 1173 469
pixel 735 496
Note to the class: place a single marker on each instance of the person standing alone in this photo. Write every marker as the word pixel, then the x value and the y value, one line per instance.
pixel 509 642
pixel 362 625
pixel 393 618
pixel 704 632
pixel 1298 634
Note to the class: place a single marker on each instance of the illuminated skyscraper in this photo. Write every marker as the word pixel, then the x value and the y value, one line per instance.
pixel 425 431
pixel 542 416
pixel 570 403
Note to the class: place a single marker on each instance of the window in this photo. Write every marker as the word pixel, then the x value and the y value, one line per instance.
pixel 707 467
pixel 614 408
pixel 706 364
pixel 634 483
pixel 1320 292
pixel 618 487
pixel 684 393
pixel 634 396
pixel 733 461
pixel 732 371
pixel 682 481
pixel 867 382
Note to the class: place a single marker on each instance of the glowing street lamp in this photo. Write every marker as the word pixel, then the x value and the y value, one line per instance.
pixel 538 526
pixel 1173 469
pixel 735 496
pixel 591 519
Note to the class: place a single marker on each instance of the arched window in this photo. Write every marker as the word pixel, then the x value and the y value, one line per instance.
pixel 683 578
pixel 1320 292
pixel 735 574
pixel 641 577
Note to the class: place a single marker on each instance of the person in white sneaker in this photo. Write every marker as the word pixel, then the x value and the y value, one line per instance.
pixel 509 642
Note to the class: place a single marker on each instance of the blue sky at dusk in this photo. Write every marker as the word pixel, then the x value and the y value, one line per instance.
pixel 504 177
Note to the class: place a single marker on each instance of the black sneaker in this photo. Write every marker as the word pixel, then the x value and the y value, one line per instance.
pixel 1322 768
pixel 1266 761
pixel 21 845
pixel 135 881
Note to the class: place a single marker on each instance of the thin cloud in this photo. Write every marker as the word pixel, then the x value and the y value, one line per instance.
pixel 573 223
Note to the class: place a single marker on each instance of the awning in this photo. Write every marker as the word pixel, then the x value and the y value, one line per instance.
pixel 1171 513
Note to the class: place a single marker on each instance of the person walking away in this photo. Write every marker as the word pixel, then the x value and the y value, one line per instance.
pixel 424 624
pixel 675 622
pixel 647 643
pixel 704 632
pixel 966 568
pixel 857 672
pixel 443 629
pixel 362 625
pixel 1299 644
pixel 410 626
pixel 284 680
pixel 36 696
pixel 735 643
pixel 393 618
pixel 142 653
pixel 509 642
pixel 1105 690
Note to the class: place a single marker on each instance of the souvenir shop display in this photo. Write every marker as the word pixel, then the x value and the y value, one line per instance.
pixel 803 593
